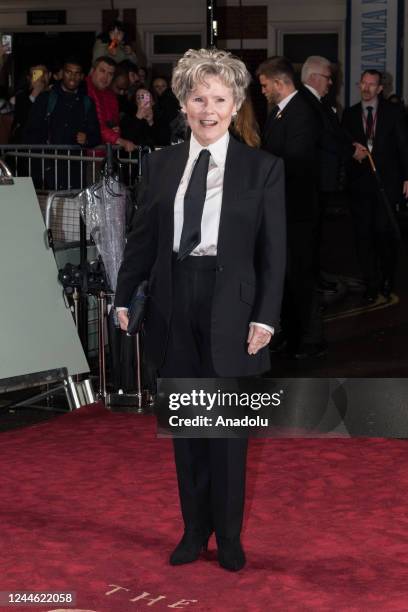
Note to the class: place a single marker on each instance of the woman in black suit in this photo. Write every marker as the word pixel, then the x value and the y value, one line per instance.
pixel 215 281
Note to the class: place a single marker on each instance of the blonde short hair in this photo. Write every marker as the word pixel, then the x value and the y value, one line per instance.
pixel 197 64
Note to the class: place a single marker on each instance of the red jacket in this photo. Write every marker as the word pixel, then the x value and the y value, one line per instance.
pixel 107 110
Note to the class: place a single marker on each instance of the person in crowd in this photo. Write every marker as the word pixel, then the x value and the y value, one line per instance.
pixel 56 72
pixel 36 82
pixel 335 146
pixel 395 99
pixel 120 87
pixel 63 115
pixel 380 126
pixel 143 76
pixel 210 237
pixel 245 126
pixel 160 85
pixel 2 56
pixel 133 76
pixel 141 126
pixel 6 115
pixel 6 108
pixel 113 44
pixel 166 109
pixel 98 84
pixel 292 132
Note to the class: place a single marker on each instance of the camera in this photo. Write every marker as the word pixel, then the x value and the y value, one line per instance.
pixel 91 279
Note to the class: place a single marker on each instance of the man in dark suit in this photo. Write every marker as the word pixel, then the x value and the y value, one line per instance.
pixel 380 126
pixel 292 132
pixel 335 146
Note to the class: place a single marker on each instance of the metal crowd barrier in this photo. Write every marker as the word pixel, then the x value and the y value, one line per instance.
pixel 66 167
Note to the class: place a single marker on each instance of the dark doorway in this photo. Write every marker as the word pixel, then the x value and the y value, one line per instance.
pixel 31 48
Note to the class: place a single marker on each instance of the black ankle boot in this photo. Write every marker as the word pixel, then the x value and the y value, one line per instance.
pixel 230 554
pixel 189 547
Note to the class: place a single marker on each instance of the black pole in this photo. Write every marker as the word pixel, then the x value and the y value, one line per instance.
pixel 212 24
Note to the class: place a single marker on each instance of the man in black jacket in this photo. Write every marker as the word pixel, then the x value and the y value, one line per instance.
pixel 380 126
pixel 292 132
pixel 65 115
pixel 335 146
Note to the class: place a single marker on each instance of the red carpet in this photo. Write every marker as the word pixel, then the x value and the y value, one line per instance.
pixel 89 503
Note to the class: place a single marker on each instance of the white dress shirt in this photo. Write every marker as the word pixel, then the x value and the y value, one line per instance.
pixel 210 221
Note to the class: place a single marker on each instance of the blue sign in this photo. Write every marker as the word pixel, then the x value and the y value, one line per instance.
pixel 374 42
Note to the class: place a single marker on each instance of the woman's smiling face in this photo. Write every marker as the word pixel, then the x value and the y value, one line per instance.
pixel 209 108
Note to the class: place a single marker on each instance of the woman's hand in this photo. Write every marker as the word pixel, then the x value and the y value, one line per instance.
pixel 145 112
pixel 123 319
pixel 258 338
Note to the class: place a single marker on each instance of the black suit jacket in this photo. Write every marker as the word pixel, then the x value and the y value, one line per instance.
pixel 334 144
pixel 390 150
pixel 293 135
pixel 250 253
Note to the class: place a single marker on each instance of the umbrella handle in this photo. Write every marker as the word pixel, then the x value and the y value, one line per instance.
pixel 372 164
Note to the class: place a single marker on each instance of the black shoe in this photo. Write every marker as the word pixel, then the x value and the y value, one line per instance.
pixel 308 349
pixel 230 554
pixel 386 288
pixel 189 547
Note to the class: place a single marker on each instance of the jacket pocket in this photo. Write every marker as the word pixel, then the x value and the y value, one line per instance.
pixel 247 293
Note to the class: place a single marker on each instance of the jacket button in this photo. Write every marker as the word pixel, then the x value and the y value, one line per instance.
pixel 219 268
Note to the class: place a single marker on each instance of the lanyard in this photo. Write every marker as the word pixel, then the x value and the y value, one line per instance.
pixel 370 140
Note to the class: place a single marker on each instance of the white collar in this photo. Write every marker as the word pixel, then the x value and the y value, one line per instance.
pixel 218 149
pixel 286 100
pixel 374 105
pixel 313 91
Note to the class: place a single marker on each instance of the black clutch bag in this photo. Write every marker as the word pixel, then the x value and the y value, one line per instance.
pixel 137 309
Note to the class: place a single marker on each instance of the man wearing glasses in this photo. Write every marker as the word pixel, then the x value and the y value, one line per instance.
pixel 335 146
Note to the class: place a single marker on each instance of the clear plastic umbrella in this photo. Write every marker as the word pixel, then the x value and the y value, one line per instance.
pixel 103 207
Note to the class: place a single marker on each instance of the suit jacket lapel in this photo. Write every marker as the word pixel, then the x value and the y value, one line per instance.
pixel 170 178
pixel 360 132
pixel 379 127
pixel 268 127
pixel 230 192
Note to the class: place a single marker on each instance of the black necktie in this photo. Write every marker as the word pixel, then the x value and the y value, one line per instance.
pixel 193 206
pixel 274 112
pixel 369 123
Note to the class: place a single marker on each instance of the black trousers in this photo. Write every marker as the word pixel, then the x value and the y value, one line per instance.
pixel 375 240
pixel 210 472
